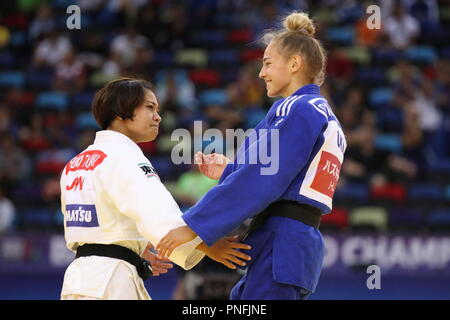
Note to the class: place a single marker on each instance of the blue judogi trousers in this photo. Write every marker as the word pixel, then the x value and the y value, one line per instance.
pixel 280 268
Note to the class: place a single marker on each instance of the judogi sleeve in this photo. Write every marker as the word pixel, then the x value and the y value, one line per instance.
pixel 246 191
pixel 144 199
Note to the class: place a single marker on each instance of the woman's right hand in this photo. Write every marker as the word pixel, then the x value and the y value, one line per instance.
pixel 211 165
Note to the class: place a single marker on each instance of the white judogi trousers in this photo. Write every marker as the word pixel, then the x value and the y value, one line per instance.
pixel 102 278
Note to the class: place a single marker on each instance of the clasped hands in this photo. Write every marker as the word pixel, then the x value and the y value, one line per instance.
pixel 224 250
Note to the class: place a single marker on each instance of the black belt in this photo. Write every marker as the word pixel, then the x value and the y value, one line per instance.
pixel 289 209
pixel 114 251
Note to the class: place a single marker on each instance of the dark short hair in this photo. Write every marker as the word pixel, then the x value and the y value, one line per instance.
pixel 119 98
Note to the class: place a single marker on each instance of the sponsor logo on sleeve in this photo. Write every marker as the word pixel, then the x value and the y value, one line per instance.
pixel 81 215
pixel 148 170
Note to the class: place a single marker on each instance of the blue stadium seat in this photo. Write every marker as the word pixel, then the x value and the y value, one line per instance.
pixel 386 55
pixel 425 192
pixel 225 56
pixel 425 54
pixel 18 39
pixel 82 100
pixel 439 218
pixel 371 76
pixel 352 192
pixel 12 79
pixel 86 120
pixel 7 60
pixel 447 193
pixel 164 58
pixel 36 217
pixel 380 97
pixel 40 78
pixel 214 96
pixel 208 38
pixel 391 142
pixel 340 35
pixel 52 100
pixel 405 218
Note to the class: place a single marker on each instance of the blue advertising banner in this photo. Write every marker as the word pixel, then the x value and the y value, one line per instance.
pixel 345 254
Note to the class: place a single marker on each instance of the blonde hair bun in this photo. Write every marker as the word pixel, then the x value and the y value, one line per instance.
pixel 299 21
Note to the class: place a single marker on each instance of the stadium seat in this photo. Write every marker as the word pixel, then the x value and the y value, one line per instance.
pixel 394 192
pixel 85 120
pixel 248 55
pixel 390 119
pixel 371 76
pixel 425 54
pixel 447 193
pixel 352 193
pixel 221 57
pixel 8 60
pixel 52 100
pixel 425 193
pixel 406 218
pixel 192 57
pixel 340 35
pixel 358 54
pixel 206 77
pixel 12 79
pixel 387 56
pixel 208 38
pixel 36 218
pixel 214 96
pixel 439 171
pixel 370 218
pixel 242 36
pixel 390 142
pixel 82 101
pixel 163 58
pixel 380 97
pixel 18 39
pixel 439 219
pixel 338 217
pixel 40 78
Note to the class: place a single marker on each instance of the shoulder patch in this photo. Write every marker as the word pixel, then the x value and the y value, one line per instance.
pixel 148 170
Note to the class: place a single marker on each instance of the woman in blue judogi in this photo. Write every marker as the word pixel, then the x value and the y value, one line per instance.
pixel 288 197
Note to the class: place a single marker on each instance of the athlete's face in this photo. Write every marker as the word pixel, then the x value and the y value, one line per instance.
pixel 145 124
pixel 275 72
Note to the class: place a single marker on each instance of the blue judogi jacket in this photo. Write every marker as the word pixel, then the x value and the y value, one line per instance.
pixel 307 149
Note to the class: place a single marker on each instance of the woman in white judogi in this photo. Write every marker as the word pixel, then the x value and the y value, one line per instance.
pixel 113 201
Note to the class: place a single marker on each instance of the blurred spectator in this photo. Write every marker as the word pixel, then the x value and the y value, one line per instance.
pixel 425 11
pixel 7 213
pixel 126 45
pixel 70 76
pixel 401 27
pixel 174 91
pixel 51 50
pixel 43 23
pixel 14 162
pixel 191 186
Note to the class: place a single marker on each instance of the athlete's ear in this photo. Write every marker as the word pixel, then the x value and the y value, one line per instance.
pixel 296 62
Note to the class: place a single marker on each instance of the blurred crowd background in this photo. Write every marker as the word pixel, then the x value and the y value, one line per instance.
pixel 389 87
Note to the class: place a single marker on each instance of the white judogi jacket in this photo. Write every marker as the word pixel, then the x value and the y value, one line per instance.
pixel 110 194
